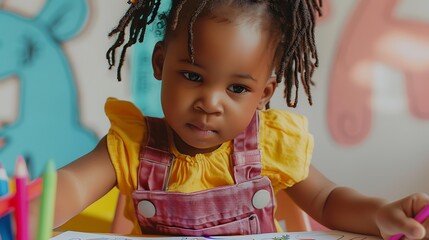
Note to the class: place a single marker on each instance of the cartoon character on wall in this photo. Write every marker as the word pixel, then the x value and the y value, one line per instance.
pixel 373 35
pixel 48 123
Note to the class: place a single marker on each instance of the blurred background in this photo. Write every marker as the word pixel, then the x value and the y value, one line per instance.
pixel 370 116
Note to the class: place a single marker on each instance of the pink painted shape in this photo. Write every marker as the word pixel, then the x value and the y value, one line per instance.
pixel 371 36
pixel 326 11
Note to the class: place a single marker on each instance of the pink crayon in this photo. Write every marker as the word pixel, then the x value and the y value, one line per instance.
pixel 21 201
pixel 420 217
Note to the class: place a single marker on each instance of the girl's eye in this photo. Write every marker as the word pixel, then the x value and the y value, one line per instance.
pixel 237 89
pixel 192 76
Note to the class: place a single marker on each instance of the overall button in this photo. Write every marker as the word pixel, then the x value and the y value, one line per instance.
pixel 146 209
pixel 261 199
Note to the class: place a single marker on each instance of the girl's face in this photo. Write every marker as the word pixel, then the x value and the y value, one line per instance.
pixel 212 101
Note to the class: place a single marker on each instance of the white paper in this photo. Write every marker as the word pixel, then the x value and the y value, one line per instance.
pixel 329 235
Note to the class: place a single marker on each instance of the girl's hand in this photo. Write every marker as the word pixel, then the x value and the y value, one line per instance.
pixel 398 217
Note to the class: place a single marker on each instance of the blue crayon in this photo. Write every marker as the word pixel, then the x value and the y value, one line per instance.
pixel 5 221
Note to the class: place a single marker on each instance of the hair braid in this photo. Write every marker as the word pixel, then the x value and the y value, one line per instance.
pixel 191 27
pixel 154 12
pixel 301 47
pixel 138 14
pixel 177 13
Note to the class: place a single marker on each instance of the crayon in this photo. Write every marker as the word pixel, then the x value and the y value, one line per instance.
pixel 21 201
pixel 7 202
pixel 46 218
pixel 421 216
pixel 6 220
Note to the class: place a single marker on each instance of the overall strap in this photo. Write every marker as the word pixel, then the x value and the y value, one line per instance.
pixel 246 157
pixel 155 159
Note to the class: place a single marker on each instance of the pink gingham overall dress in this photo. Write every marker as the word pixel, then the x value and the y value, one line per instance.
pixel 247 207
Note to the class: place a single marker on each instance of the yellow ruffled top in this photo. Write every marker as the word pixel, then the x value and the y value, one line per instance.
pixel 284 140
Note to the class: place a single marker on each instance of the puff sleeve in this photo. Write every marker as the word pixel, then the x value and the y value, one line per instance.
pixel 286 146
pixel 127 131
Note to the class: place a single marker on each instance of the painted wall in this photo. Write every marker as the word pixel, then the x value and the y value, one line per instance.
pixel 370 116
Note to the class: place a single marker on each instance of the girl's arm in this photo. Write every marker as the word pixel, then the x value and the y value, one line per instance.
pixel 336 207
pixel 79 184
pixel 82 182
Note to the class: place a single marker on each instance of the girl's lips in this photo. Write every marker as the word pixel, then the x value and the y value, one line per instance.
pixel 202 129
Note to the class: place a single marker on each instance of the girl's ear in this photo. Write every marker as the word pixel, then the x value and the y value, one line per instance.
pixel 158 60
pixel 270 87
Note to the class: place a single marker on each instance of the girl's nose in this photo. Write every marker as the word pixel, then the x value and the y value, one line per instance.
pixel 210 102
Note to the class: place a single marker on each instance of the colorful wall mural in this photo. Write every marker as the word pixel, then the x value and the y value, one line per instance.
pixel 373 35
pixel 48 124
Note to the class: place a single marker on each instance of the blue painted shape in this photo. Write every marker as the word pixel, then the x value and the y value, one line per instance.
pixel 6 220
pixel 146 90
pixel 48 125
pixel 64 18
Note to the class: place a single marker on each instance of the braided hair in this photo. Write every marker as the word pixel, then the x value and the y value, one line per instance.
pixel 296 50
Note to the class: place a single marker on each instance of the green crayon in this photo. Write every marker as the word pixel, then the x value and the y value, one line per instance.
pixel 46 218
